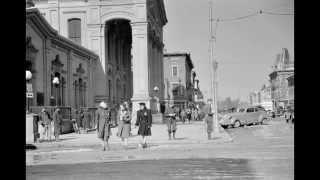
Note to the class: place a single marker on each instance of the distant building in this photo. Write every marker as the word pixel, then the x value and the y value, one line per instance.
pixel 255 98
pixel 282 69
pixel 179 79
pixel 266 100
pixel 291 91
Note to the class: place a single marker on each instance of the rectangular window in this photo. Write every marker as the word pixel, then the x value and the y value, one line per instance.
pixel 74 30
pixel 175 89
pixel 175 70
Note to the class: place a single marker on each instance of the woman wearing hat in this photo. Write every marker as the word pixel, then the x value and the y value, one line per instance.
pixel 124 124
pixel 144 121
pixel 103 119
pixel 57 120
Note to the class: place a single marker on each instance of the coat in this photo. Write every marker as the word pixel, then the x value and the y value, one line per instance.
pixel 57 119
pixel 209 123
pixel 144 121
pixel 124 127
pixel 103 119
pixel 45 118
pixel 86 120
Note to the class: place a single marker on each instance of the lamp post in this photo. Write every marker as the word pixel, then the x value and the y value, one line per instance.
pixel 156 90
pixel 55 83
pixel 28 78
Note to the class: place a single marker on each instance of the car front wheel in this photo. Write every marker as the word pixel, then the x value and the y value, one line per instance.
pixel 236 124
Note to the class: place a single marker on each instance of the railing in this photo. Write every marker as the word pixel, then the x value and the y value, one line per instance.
pixel 65 110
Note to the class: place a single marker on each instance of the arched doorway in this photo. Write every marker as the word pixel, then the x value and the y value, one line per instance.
pixel 118 45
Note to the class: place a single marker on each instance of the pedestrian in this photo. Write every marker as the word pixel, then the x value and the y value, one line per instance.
pixel 81 117
pixel 183 115
pixel 74 120
pixel 171 121
pixel 208 121
pixel 103 119
pixel 196 114
pixel 189 114
pixel 124 124
pixel 57 119
pixel 41 130
pixel 287 116
pixel 46 120
pixel 86 120
pixel 144 121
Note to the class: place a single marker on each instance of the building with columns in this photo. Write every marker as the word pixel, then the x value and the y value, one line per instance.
pixel 128 37
pixel 50 56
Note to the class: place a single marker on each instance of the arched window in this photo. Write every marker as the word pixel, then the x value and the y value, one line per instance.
pixel 74 30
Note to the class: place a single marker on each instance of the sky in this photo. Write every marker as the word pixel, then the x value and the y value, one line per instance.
pixel 245 49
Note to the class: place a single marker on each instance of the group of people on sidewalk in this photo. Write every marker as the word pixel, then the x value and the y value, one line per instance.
pixel 104 124
pixel 49 128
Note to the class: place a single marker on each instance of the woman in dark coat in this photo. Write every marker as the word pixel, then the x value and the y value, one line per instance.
pixel 103 119
pixel 144 121
pixel 57 119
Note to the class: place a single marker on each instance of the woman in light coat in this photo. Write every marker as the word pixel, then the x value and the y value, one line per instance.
pixel 124 124
pixel 103 119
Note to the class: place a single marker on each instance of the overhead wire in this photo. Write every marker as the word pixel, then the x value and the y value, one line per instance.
pixel 251 15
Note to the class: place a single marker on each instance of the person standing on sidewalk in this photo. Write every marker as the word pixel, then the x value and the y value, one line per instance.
pixel 57 119
pixel 46 120
pixel 74 120
pixel 208 121
pixel 189 114
pixel 103 119
pixel 86 120
pixel 124 124
pixel 171 121
pixel 144 121
pixel 183 115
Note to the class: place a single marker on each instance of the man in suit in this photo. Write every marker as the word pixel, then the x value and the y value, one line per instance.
pixel 144 121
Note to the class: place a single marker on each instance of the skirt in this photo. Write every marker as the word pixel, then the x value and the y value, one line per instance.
pixel 144 130
pixel 124 130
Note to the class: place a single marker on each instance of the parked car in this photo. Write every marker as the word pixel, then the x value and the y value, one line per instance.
pixel 245 116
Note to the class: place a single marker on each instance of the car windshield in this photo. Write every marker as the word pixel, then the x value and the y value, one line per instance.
pixel 241 110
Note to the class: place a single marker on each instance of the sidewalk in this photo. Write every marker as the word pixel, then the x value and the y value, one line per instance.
pixel 187 134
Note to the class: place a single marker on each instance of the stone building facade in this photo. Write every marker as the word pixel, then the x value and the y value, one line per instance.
pixel 282 69
pixel 178 78
pixel 49 56
pixel 126 34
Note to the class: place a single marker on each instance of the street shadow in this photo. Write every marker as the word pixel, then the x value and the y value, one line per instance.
pixel 213 168
pixel 65 139
pixel 179 139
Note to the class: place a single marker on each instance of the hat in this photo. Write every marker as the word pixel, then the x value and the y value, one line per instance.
pixel 103 105
pixel 142 103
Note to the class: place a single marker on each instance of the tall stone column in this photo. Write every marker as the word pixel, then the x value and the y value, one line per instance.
pixel 140 61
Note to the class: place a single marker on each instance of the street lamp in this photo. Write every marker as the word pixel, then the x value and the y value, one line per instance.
pixel 156 90
pixel 28 78
pixel 55 83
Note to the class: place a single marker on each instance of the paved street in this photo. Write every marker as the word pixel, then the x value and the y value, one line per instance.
pixel 256 152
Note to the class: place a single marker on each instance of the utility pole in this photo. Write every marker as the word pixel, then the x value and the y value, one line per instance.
pixel 214 83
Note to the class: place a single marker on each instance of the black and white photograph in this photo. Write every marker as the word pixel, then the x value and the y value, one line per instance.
pixel 159 89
